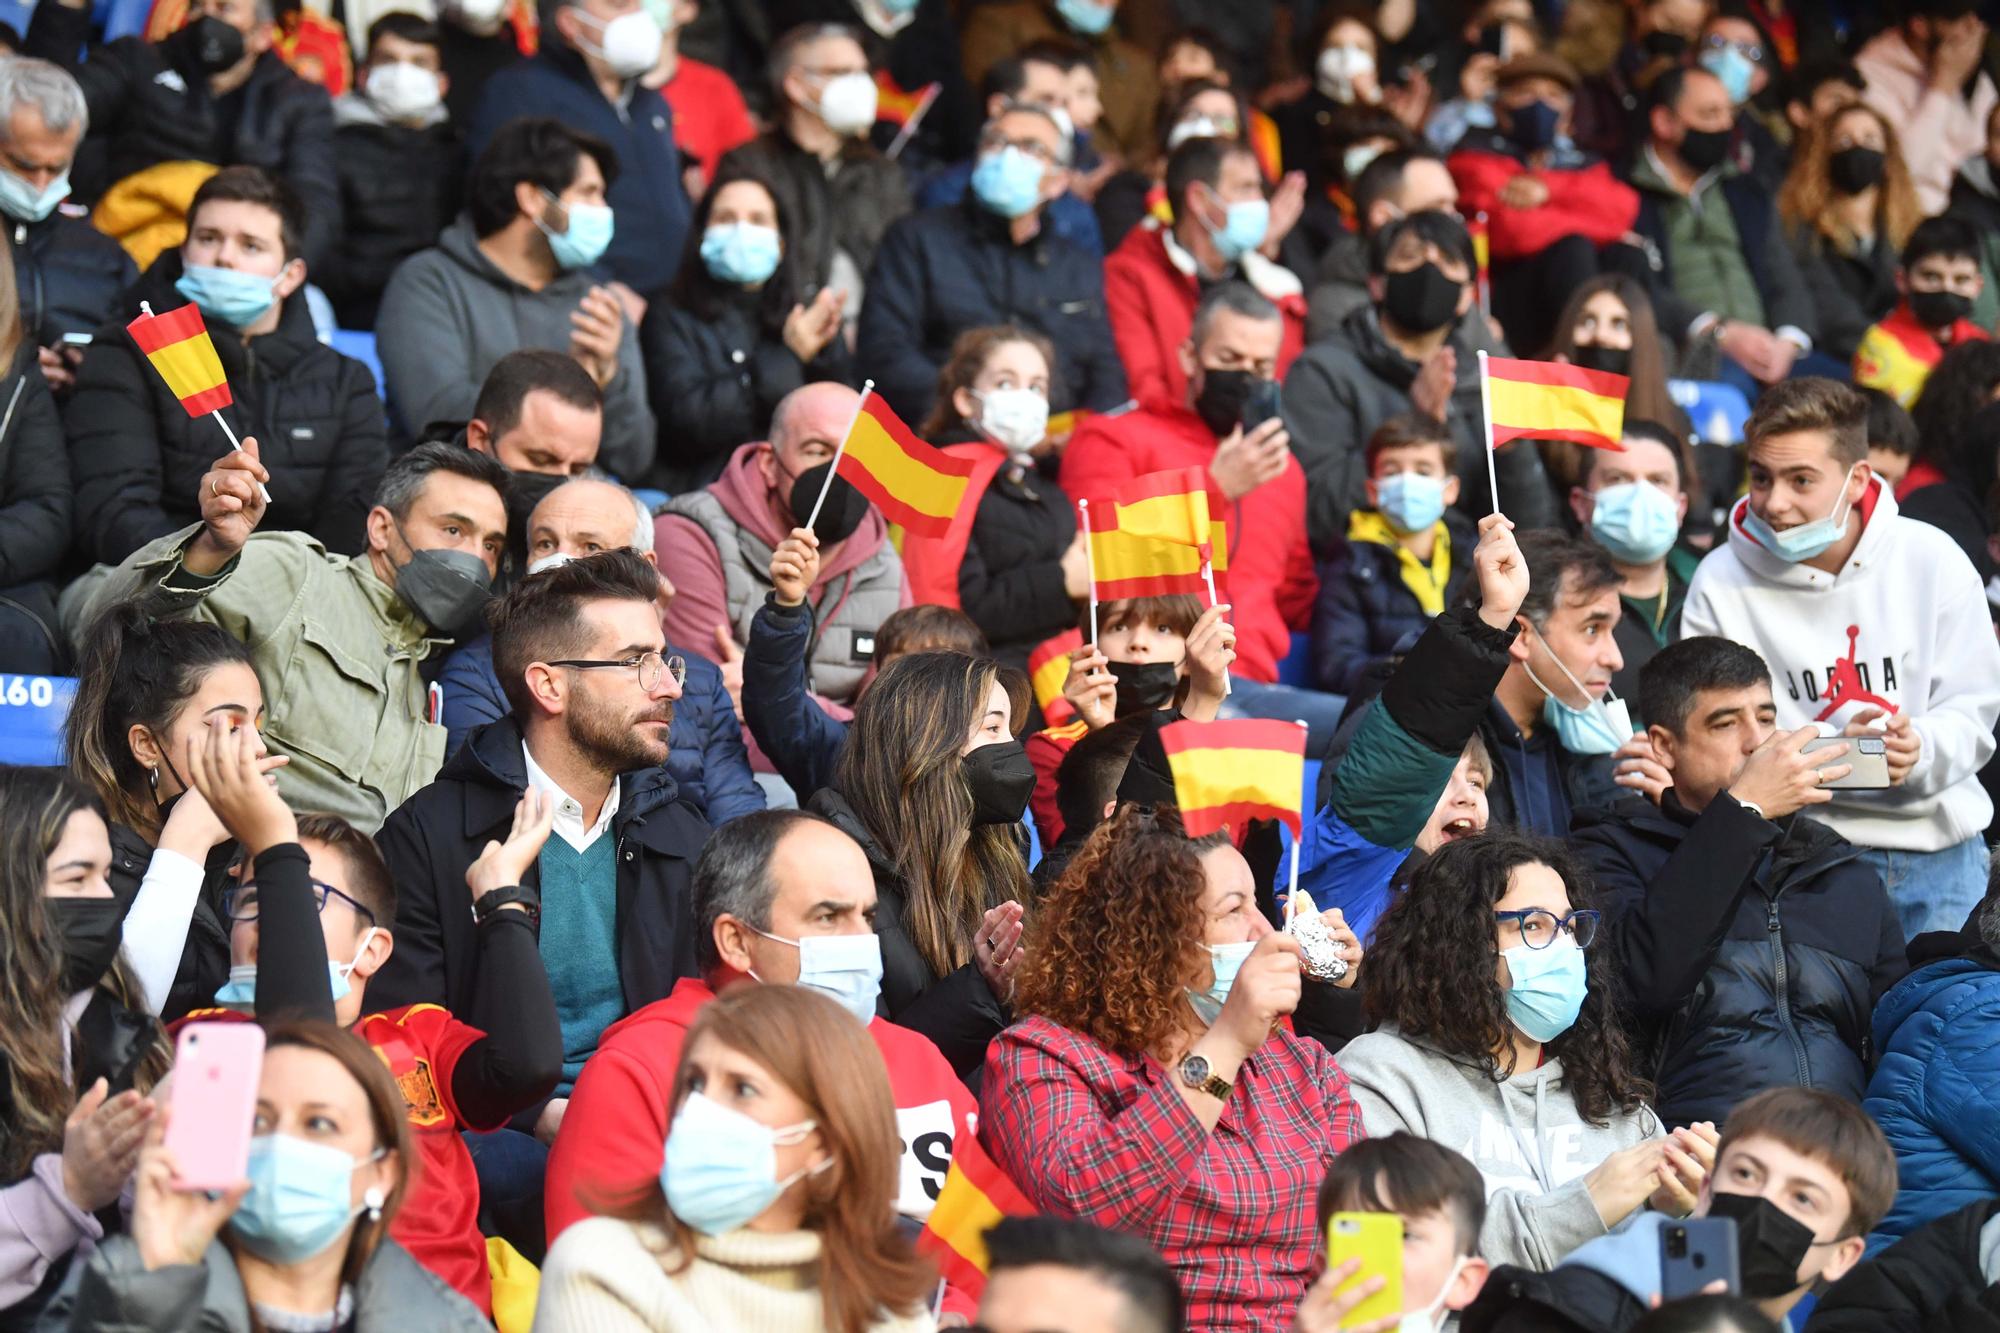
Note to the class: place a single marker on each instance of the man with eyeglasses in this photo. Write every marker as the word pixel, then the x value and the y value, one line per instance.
pixel 582 660
pixel 990 260
pixel 1754 941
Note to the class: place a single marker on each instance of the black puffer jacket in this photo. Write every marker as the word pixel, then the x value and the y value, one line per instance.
pixel 35 506
pixel 1753 952
pixel 138 458
pixel 713 385
pixel 399 187
pixel 958 1011
pixel 1931 1281
pixel 69 275
pixel 150 103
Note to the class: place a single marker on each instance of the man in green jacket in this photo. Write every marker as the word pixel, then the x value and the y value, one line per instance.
pixel 338 642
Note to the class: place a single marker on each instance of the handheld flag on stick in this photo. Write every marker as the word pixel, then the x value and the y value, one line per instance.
pixel 1227 773
pixel 909 481
pixel 1089 562
pixel 1547 400
pixel 1128 564
pixel 179 348
pixel 975 1195
pixel 1172 506
pixel 904 110
pixel 1048 668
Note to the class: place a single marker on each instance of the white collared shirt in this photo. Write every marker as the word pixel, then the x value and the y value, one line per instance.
pixel 569 811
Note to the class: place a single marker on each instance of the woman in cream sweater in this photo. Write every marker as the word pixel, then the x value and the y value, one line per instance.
pixel 776 1205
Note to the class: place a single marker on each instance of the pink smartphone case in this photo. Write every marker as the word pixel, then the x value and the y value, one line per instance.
pixel 217 1067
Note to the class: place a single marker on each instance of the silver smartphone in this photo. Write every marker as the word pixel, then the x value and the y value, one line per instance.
pixel 1867 754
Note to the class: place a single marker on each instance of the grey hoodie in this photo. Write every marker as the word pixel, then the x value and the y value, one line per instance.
pixel 449 313
pixel 1524 1134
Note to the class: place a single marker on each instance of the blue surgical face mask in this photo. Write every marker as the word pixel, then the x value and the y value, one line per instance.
pixel 586 238
pixel 300 1199
pixel 847 968
pixel 1226 960
pixel 224 294
pixel 1533 127
pixel 740 253
pixel 1548 986
pixel 24 203
pixel 1807 539
pixel 240 993
pixel 1247 223
pixel 1008 182
pixel 1411 501
pixel 1089 17
pixel 721 1168
pixel 1733 68
pixel 1635 522
pixel 1599 727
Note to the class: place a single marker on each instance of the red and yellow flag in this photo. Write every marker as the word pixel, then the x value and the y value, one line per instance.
pixel 1048 668
pixel 976 1194
pixel 898 107
pixel 1129 564
pixel 912 483
pixel 1228 773
pixel 1547 400
pixel 178 345
pixel 1169 506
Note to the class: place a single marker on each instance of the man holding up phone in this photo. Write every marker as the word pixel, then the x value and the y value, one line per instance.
pixel 1230 428
pixel 1754 941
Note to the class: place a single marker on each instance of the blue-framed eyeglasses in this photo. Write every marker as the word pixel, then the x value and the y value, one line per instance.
pixel 1539 927
pixel 239 903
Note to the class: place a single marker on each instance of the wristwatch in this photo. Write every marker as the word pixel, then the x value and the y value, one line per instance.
pixel 1194 1073
pixel 488 905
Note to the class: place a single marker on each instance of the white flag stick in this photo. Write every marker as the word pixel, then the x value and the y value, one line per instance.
pixel 1486 406
pixel 867 387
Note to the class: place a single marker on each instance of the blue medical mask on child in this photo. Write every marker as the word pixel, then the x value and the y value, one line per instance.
pixel 847 968
pixel 1226 960
pixel 1548 986
pixel 1599 727
pixel 585 240
pixel 1411 501
pixel 240 992
pixel 1807 539
pixel 1635 522
pixel 1243 230
pixel 1008 182
pixel 1733 68
pixel 300 1198
pixel 235 298
pixel 721 1167
pixel 740 253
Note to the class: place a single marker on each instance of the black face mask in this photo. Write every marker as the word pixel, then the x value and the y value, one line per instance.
pixel 1422 300
pixel 214 45
pixel 1664 45
pixel 1705 150
pixel 1001 778
pixel 1533 127
pixel 1613 360
pixel 1770 1245
pixel 1144 686
pixel 1853 170
pixel 1223 394
pixel 90 929
pixel 842 513
pixel 1937 310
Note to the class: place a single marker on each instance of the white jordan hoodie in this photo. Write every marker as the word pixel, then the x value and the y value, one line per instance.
pixel 1903 626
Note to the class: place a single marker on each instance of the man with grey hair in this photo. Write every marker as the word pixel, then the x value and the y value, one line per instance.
pixel 168 101
pixel 67 272
pixel 706 755
pixel 991 261
pixel 837 193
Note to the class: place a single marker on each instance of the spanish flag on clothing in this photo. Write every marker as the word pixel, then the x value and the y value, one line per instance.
pixel 1228 773
pixel 1548 400
pixel 178 345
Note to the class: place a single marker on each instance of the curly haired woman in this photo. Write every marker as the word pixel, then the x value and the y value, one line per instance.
pixel 1499 1038
pixel 1153 1089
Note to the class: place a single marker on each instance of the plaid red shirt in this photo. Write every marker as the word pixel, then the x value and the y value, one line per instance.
pixel 1089 1132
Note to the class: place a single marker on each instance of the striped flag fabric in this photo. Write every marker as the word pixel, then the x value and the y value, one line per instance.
pixel 975 1195
pixel 179 348
pixel 1169 506
pixel 1048 668
pixel 895 105
pixel 1547 400
pixel 1129 564
pixel 1228 773
pixel 912 483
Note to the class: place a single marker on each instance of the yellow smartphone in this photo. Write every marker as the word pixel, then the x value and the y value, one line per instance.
pixel 1377 1240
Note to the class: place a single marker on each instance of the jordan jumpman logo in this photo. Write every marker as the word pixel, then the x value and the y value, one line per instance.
pixel 1846 686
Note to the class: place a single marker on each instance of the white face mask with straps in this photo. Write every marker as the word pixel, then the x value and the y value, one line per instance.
pixel 1428 1319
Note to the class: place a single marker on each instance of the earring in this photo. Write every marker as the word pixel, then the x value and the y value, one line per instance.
pixel 153 778
pixel 372 1201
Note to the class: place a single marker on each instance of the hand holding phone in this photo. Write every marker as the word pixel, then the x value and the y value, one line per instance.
pixel 1867 761
pixel 1695 1253
pixel 217 1067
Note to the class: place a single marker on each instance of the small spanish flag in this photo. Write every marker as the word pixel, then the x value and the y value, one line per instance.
pixel 178 345
pixel 1048 669
pixel 1547 400
pixel 1228 773
pixel 895 106
pixel 976 1194
pixel 1169 506
pixel 1126 564
pixel 912 483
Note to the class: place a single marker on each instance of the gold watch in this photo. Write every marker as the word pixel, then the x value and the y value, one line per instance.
pixel 1195 1073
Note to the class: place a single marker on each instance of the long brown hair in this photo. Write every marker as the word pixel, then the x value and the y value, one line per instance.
pixel 1806 201
pixel 969 356
pixel 829 1062
pixel 900 773
pixel 35 808
pixel 385 1112
pixel 1646 398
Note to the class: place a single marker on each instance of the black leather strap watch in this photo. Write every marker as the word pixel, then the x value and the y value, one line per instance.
pixel 484 908
pixel 1195 1073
